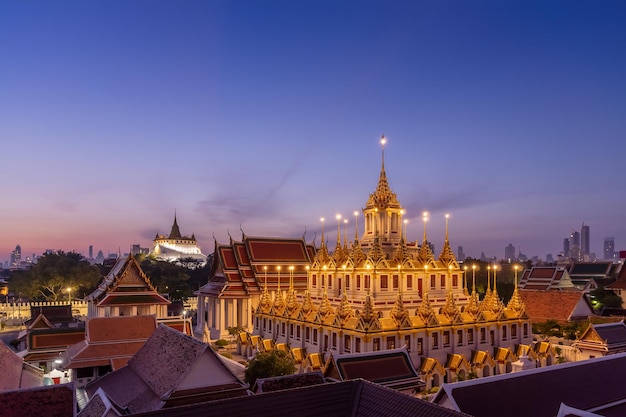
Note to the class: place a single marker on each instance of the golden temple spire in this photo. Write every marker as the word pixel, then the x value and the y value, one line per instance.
pixel 447 255
pixel 307 303
pixel 425 253
pixel 344 310
pixel 516 303
pixel 279 301
pixel 399 312
pixel 266 299
pixel 292 302
pixel 368 309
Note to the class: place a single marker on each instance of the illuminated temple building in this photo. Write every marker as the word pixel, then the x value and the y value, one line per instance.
pixel 177 248
pixel 369 293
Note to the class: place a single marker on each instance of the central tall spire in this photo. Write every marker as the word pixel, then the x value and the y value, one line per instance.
pixel 383 213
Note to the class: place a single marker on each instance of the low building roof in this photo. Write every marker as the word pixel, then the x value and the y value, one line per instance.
pixel 15 372
pixel 45 401
pixel 110 341
pixel 595 384
pixel 356 398
pixel 562 306
pixel 170 369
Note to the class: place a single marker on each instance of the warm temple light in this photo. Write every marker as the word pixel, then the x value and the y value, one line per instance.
pixel 338 216
pixel 383 140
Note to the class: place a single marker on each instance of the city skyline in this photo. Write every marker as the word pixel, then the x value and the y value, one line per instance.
pixel 264 117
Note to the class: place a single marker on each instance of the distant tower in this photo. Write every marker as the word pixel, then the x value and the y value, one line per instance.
pixel 584 240
pixel 509 252
pixel 461 254
pixel 566 243
pixel 609 247
pixel 90 251
pixel 16 255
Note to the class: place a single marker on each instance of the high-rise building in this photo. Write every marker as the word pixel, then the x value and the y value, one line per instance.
pixel 16 256
pixel 509 252
pixel 584 240
pixel 90 251
pixel 609 247
pixel 461 254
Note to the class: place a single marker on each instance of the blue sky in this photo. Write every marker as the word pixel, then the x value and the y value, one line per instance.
pixel 265 116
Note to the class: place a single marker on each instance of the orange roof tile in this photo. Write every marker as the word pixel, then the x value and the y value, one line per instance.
pixel 553 305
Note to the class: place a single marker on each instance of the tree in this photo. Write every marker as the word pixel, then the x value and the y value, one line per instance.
pixel 167 278
pixel 601 298
pixel 268 364
pixel 53 274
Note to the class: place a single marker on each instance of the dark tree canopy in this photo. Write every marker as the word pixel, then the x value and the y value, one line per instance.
pixel 53 274
pixel 268 364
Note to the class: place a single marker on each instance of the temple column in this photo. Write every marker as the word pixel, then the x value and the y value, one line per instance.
pixel 221 315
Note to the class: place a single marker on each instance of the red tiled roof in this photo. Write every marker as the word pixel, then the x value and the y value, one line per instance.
pixel 46 401
pixel 551 305
pixel 110 340
pixel 276 250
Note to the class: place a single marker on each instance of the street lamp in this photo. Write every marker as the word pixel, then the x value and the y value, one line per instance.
pixel 69 294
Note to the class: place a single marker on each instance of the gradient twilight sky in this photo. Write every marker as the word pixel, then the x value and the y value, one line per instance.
pixel 509 115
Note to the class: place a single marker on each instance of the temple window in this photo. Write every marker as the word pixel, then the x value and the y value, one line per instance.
pixel 420 346
pixel 395 282
pixel 470 335
pixel 376 344
pixel 358 282
pixel 446 338
pixel 504 333
pixel 435 340
pixel 346 343
pixel 334 340
pixel 307 334
pixel 433 282
pixel 314 280
pixel 442 281
pixel 455 281
pixel 391 342
pixel 409 282
pixel 483 335
pixel 513 330
pixel 270 326
pixel 384 285
pixel 282 328
pixel 367 282
pixel 315 336
pixel 298 332
pixel 330 281
pixel 347 282
pixel 459 337
pixel 525 329
pixel 357 344
pixel 407 342
pixel 290 330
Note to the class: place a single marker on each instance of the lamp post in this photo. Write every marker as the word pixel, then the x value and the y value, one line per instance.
pixel 69 295
pixel 515 268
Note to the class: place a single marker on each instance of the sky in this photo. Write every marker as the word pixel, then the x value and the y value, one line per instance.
pixel 263 116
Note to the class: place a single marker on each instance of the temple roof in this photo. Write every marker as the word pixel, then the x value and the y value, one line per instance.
pixel 357 398
pixel 243 267
pixel 126 284
pixel 16 373
pixel 561 306
pixel 175 232
pixel 540 392
pixel 110 341
pixel 170 369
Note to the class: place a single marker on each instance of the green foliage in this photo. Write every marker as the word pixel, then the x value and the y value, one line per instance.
pixel 167 278
pixel 53 274
pixel 548 328
pixel 227 355
pixel 222 343
pixel 601 298
pixel 268 364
